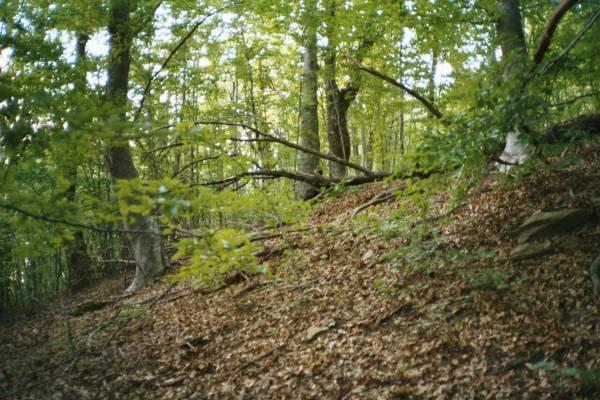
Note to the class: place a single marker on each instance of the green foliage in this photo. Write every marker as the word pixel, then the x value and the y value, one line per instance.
pixel 590 378
pixel 383 287
pixel 211 258
pixel 243 65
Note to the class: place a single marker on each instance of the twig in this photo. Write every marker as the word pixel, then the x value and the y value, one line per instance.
pixel 260 357
pixel 68 223
pixel 274 251
pixel 170 56
pixel 378 199
pixel 406 309
pixel 251 287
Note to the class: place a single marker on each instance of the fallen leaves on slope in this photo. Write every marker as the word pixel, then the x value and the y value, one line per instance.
pixel 351 313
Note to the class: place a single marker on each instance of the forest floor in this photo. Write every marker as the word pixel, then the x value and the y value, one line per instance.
pixel 395 302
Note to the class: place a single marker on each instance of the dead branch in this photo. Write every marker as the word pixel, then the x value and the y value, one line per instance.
pixel 378 199
pixel 50 219
pixel 315 180
pixel 285 142
pixel 404 309
pixel 199 161
pixel 165 147
pixel 257 238
pixel 550 28
pixel 432 109
pixel 273 251
pixel 589 123
pixel 251 287
pixel 575 99
pixel 259 358
pixel 116 261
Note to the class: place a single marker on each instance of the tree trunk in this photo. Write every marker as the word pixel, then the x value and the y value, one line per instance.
pixel 309 116
pixel 338 100
pixel 78 260
pixel 337 128
pixel 143 231
pixel 514 54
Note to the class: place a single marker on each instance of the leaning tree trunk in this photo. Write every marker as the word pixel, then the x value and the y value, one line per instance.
pixel 309 117
pixel 143 232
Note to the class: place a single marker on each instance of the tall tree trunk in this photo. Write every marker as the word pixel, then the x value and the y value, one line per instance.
pixel 309 116
pixel 78 260
pixel 514 55
pixel 367 148
pixel 401 117
pixel 337 100
pixel 143 231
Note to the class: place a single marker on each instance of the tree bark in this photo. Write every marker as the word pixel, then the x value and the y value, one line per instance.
pixel 309 117
pixel 509 29
pixel 78 260
pixel 338 100
pixel 144 237
pixel 557 15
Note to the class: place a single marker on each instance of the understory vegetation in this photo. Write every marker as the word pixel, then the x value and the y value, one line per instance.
pixel 311 199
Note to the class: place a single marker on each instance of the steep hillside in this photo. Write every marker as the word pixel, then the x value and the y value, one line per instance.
pixel 393 301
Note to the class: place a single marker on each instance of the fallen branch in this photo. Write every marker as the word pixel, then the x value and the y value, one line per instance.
pixel 250 288
pixel 273 251
pixel 404 309
pixel 260 357
pixel 588 123
pixel 378 199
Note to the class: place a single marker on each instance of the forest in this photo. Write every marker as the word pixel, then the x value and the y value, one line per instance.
pixel 299 199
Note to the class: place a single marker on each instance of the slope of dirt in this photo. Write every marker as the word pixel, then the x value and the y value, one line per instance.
pixel 362 307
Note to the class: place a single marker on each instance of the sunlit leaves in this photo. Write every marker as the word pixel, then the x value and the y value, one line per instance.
pixel 210 258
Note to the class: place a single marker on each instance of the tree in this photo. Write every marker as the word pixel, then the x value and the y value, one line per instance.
pixel 78 260
pixel 516 66
pixel 143 231
pixel 338 100
pixel 309 117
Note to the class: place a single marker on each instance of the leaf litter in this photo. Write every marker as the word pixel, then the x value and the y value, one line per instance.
pixel 352 313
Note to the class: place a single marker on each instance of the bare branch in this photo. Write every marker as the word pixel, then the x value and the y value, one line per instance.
pixel 170 56
pixel 53 220
pixel 149 19
pixel 544 44
pixel 314 180
pixel 432 109
pixel 165 147
pixel 575 40
pixel 287 143
pixel 201 160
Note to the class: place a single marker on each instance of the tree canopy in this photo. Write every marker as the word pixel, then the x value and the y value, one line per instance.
pixel 129 120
